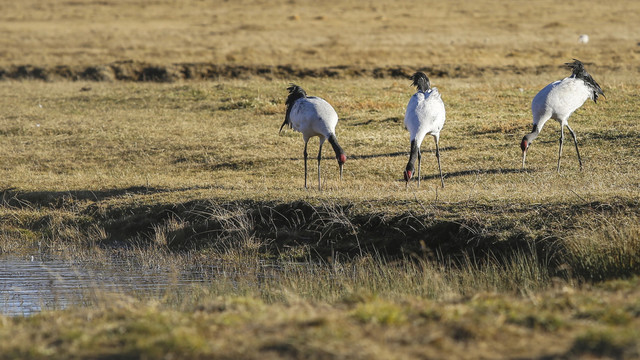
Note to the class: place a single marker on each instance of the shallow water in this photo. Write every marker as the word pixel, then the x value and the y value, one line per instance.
pixel 31 284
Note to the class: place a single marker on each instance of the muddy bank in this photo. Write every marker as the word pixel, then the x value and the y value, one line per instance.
pixel 443 232
pixel 138 71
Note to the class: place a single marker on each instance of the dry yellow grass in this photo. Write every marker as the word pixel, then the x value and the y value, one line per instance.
pixel 317 34
pixel 221 140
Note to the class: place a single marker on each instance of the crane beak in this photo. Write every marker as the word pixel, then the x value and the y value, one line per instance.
pixel 524 145
pixel 342 158
pixel 407 177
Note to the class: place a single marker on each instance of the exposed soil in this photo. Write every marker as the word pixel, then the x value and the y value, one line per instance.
pixel 139 71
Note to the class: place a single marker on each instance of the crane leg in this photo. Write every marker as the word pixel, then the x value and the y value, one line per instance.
pixel 305 163
pixel 319 158
pixel 575 141
pixel 560 150
pixel 419 163
pixel 439 168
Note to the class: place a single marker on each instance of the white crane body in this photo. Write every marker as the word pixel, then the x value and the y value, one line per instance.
pixel 313 116
pixel 425 114
pixel 559 100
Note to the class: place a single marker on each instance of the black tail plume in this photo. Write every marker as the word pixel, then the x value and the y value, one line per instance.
pixel 421 81
pixel 295 93
pixel 576 67
pixel 579 72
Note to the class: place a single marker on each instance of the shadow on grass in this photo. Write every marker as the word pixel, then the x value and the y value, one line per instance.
pixel 394 119
pixel 473 172
pixel 401 153
pixel 55 199
pixel 352 157
pixel 373 156
pixel 476 172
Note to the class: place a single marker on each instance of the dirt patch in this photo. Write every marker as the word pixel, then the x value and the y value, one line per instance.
pixel 140 71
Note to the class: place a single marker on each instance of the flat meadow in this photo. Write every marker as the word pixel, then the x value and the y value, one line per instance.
pixel 149 131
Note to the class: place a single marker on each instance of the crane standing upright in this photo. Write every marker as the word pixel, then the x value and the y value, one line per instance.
pixel 425 114
pixel 558 101
pixel 313 116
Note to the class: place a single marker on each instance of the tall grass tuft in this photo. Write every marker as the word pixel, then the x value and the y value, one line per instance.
pixel 373 276
pixel 606 251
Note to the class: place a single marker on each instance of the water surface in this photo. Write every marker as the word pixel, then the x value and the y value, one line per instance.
pixel 30 284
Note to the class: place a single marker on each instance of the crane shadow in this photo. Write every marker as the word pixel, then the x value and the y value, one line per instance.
pixel 400 153
pixel 356 157
pixel 475 172
pixel 394 119
pixel 373 156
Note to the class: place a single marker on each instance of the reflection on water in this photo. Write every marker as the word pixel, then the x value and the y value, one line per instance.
pixel 29 285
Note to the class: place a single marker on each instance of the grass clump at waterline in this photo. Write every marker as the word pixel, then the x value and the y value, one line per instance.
pixel 366 308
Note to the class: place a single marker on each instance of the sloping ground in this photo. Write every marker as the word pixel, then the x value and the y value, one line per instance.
pixel 553 232
pixel 140 71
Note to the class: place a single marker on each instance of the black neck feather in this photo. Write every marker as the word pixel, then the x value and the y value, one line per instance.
pixel 334 144
pixel 413 156
pixel 295 93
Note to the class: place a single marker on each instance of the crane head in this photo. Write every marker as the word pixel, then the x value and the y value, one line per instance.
pixel 342 158
pixel 407 175
pixel 524 144
pixel 409 171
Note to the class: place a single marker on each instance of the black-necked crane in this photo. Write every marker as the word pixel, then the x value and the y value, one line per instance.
pixel 558 101
pixel 313 116
pixel 425 115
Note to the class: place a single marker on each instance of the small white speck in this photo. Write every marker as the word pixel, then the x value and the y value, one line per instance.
pixel 583 39
pixel 521 89
pixel 37 125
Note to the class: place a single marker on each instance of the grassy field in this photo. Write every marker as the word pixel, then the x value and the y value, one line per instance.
pixel 177 173
pixel 312 34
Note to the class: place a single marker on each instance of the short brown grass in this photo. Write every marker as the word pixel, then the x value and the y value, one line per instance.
pixel 487 33
pixel 222 140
